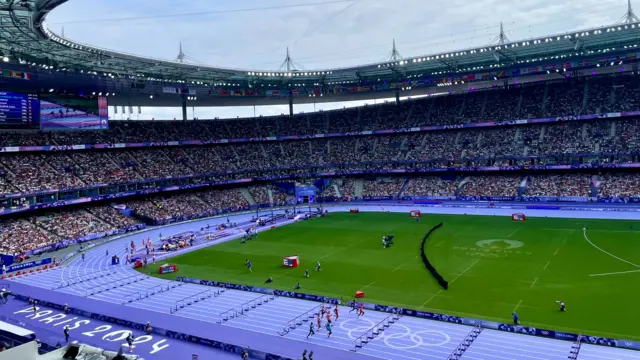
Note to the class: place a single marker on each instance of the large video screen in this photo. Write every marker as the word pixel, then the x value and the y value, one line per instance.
pixel 19 111
pixel 59 112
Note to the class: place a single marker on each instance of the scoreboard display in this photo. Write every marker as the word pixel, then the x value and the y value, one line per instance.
pixel 19 111
pixel 67 112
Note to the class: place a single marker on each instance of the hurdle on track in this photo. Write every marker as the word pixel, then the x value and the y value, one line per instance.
pixel 192 299
pixel 150 291
pixel 226 315
pixel 116 284
pixel 375 330
pixel 83 278
pixel 252 304
pixel 466 342
pixel 302 318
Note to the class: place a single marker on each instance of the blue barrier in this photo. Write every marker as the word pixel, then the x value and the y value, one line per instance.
pixel 27 265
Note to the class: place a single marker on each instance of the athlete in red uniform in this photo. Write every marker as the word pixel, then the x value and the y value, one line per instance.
pixel 335 312
pixel 319 320
pixel 328 316
pixel 361 310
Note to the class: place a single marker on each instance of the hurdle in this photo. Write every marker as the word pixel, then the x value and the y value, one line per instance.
pixel 120 283
pixel 227 315
pixel 84 278
pixel 192 299
pixel 375 330
pixel 252 304
pixel 131 298
pixel 300 319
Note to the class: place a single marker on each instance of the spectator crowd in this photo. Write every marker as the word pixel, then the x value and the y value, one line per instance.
pixel 594 141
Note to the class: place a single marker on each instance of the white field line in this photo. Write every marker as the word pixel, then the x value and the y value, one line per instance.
pixel 534 282
pixel 584 232
pixel 431 298
pixel 517 306
pixel 366 286
pixel 465 270
pixel 514 231
pixel 616 273
pixel 556 253
pixel 547 265
pixel 397 268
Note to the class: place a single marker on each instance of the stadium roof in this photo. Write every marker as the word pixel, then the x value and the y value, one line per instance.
pixel 26 38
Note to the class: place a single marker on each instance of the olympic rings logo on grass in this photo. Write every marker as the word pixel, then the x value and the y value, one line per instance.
pixel 401 338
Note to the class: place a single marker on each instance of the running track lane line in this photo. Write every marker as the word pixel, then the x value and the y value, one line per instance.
pixel 584 232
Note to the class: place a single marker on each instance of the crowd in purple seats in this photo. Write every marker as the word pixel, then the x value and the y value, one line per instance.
pixel 530 100
pixel 30 172
pixel 32 231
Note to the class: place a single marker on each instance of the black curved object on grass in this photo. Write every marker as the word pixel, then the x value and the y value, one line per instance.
pixel 432 270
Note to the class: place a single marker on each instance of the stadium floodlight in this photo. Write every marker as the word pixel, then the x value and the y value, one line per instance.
pixel 5 59
pixel 50 90
pixel 150 96
pixel 93 93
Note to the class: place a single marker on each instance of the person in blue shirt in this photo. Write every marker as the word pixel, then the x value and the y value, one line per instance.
pixel 516 320
pixel 249 265
pixel 318 266
pixel 297 287
pixel 328 329
pixel 306 273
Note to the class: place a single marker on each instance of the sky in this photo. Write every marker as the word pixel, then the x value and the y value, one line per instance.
pixel 320 34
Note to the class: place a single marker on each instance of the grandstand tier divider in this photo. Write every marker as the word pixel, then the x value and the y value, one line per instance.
pixel 375 330
pixel 252 304
pixel 466 342
pixel 84 278
pixel 192 299
pixel 300 319
pixel 120 283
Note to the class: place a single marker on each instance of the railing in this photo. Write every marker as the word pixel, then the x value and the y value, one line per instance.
pixel 83 278
pixel 466 342
pixel 116 284
pixel 375 330
pixel 300 319
pixel 252 304
pixel 575 348
pixel 226 315
pixel 192 299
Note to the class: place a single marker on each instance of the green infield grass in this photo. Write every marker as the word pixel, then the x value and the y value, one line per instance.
pixel 494 266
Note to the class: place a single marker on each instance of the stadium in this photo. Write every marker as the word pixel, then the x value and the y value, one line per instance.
pixel 502 179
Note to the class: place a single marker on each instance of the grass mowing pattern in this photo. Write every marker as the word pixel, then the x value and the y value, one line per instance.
pixel 550 260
